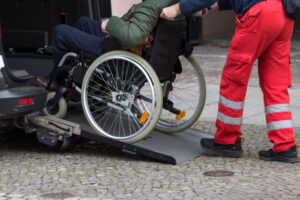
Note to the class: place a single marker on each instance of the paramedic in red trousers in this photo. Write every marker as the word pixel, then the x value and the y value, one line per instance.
pixel 263 32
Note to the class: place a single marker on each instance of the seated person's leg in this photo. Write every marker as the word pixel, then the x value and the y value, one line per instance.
pixel 69 39
pixel 89 26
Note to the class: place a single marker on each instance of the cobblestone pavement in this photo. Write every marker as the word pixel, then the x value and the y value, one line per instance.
pixel 29 170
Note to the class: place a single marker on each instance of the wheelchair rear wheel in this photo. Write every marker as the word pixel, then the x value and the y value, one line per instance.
pixel 187 95
pixel 130 101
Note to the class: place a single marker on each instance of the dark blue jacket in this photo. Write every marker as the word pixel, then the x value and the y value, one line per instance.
pixel 188 7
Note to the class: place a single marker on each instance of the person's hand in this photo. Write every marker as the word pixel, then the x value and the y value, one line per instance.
pixel 103 25
pixel 170 13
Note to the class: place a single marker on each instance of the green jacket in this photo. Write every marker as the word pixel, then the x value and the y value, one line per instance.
pixel 142 17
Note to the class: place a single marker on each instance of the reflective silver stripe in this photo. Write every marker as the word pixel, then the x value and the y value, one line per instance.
pixel 278 108
pixel 280 125
pixel 231 104
pixel 230 120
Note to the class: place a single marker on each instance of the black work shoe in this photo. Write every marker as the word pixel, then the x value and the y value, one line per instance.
pixel 227 150
pixel 287 156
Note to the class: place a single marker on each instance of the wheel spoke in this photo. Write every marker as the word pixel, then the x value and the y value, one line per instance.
pixel 117 91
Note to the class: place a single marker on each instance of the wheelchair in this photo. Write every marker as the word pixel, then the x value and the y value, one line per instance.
pixel 123 97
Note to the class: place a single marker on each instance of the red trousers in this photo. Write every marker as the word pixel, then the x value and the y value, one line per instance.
pixel 262 33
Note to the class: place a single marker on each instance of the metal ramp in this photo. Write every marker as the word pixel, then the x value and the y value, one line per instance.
pixel 168 148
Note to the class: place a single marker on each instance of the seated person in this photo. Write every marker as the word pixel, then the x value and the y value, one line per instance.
pixel 88 35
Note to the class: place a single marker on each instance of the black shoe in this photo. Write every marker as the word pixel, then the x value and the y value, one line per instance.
pixel 227 150
pixel 287 156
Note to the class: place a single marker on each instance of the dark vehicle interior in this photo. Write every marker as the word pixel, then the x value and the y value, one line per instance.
pixel 27 27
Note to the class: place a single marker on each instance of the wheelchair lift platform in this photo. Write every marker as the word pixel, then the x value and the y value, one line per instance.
pixel 168 148
pixel 164 147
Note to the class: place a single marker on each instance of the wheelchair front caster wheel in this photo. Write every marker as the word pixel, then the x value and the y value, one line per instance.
pixel 59 110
